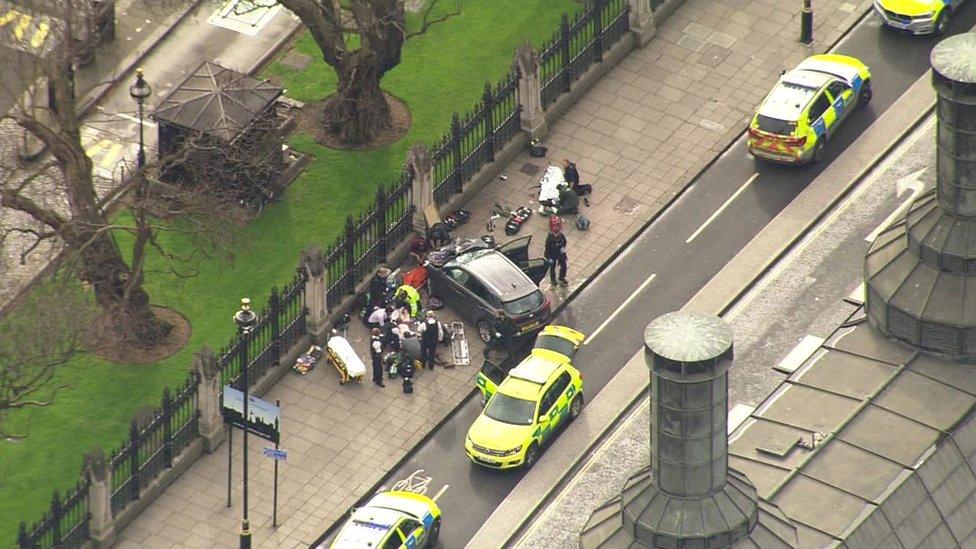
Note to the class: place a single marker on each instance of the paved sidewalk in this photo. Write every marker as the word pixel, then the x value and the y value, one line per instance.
pixel 639 136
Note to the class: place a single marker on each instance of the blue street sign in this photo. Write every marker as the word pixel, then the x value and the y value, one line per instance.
pixel 273 453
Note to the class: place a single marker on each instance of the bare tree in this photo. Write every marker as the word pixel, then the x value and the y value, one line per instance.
pixel 362 41
pixel 58 192
pixel 44 333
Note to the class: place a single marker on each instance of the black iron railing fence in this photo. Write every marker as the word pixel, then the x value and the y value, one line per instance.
pixel 158 439
pixel 580 43
pixel 470 144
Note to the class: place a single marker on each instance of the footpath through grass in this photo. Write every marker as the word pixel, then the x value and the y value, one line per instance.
pixel 442 72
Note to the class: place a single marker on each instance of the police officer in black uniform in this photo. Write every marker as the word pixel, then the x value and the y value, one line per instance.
pixel 376 354
pixel 429 336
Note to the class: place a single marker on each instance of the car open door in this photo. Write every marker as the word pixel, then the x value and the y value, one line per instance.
pixel 535 269
pixel 517 250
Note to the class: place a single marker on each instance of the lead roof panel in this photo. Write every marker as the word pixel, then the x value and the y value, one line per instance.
pixel 863 340
pixel 852 469
pixel 958 376
pixel 889 434
pixel 924 400
pixel 847 374
pixel 811 409
pixel 818 505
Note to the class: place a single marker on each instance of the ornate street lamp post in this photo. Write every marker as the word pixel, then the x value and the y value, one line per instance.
pixel 140 91
pixel 246 320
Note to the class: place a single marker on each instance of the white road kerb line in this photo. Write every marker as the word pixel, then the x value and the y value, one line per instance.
pixel 721 209
pixel 620 308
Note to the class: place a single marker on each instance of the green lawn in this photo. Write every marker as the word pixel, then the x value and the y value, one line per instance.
pixel 441 72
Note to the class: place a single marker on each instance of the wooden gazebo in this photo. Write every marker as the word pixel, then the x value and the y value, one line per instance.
pixel 220 125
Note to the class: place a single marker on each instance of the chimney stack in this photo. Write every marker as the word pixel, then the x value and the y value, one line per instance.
pixel 920 273
pixel 688 497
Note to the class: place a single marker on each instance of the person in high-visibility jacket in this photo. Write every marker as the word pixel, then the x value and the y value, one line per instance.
pixel 410 297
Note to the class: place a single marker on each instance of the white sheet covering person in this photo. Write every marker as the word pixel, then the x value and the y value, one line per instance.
pixel 341 347
pixel 550 182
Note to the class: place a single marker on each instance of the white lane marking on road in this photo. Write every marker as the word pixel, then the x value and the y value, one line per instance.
pixel 711 218
pixel 441 492
pixel 135 119
pixel 620 308
pixel 739 413
pixel 799 247
pixel 911 182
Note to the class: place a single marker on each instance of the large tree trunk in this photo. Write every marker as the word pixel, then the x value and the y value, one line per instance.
pixel 118 292
pixel 358 110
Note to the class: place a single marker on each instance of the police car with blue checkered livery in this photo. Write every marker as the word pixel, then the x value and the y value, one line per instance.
pixel 805 108
pixel 392 520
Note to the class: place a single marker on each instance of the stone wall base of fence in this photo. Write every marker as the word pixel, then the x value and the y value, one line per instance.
pixel 213 439
pixel 318 330
pixel 158 485
pixel 103 540
pixel 644 32
pixel 536 127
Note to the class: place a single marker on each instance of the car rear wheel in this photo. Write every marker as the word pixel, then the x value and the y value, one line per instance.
pixel 818 151
pixel 865 94
pixel 531 455
pixel 485 332
pixel 942 23
pixel 435 533
pixel 575 407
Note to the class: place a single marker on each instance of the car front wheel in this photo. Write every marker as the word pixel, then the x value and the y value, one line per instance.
pixel 942 23
pixel 485 332
pixel 531 455
pixel 864 95
pixel 575 407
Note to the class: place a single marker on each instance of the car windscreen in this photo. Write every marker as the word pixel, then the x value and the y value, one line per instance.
pixel 775 125
pixel 558 344
pixel 510 409
pixel 523 305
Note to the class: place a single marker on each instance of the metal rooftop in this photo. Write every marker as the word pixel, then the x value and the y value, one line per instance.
pixel 217 100
pixel 868 444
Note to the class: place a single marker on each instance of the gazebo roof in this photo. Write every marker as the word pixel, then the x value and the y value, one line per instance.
pixel 217 100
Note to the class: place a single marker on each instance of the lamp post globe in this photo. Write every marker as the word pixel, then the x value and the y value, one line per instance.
pixel 246 320
pixel 140 91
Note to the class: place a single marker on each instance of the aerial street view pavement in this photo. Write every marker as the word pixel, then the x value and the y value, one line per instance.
pixel 487 273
